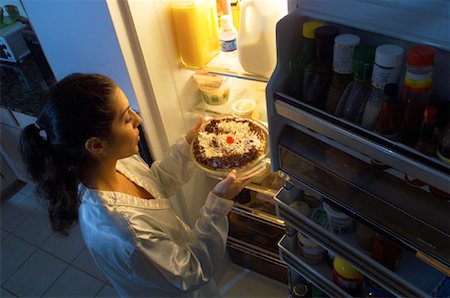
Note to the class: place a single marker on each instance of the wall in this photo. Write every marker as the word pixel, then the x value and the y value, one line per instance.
pixel 78 36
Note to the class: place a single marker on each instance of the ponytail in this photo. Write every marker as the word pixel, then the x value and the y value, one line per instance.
pixel 56 183
pixel 78 107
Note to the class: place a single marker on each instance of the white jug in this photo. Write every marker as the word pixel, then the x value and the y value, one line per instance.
pixel 256 39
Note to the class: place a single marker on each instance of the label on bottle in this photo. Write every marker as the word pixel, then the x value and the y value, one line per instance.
pixel 228 45
pixel 343 59
pixel 418 81
pixel 384 75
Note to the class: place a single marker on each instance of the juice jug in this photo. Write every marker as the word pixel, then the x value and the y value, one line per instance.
pixel 256 39
pixel 196 30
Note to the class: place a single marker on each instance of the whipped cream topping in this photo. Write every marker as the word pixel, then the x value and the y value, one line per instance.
pixel 234 137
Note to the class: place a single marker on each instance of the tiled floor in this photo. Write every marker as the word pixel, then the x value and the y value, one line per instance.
pixel 36 262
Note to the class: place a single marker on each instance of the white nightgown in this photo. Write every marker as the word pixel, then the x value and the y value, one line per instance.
pixel 142 246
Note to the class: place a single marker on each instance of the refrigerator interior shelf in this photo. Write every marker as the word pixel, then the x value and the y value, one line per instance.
pixel 343 133
pixel 412 278
pixel 318 274
pixel 239 89
pixel 228 64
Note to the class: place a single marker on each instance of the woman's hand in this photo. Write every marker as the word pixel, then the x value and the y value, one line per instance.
pixel 230 187
pixel 193 132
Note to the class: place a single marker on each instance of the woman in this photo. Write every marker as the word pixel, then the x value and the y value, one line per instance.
pixel 82 154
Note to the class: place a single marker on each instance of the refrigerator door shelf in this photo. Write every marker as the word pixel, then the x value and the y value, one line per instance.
pixel 413 278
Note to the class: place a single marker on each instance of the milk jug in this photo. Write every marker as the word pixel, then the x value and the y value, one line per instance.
pixel 196 29
pixel 256 39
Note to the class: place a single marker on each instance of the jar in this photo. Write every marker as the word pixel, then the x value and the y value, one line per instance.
pixel 386 252
pixel 312 252
pixel 300 289
pixel 345 276
pixel 340 223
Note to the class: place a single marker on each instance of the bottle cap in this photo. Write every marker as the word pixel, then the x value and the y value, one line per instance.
pixel 391 89
pixel 345 269
pixel 310 27
pixel 347 40
pixel 226 21
pixel 389 55
pixel 421 55
pixel 326 33
pixel 363 61
pixel 430 114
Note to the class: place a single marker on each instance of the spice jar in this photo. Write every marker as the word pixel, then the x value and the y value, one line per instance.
pixel 386 252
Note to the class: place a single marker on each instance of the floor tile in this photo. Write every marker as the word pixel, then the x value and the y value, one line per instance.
pixel 65 247
pixel 254 284
pixel 14 252
pixel 68 285
pixel 34 277
pixel 36 228
pixel 85 263
pixel 6 294
pixel 16 210
pixel 107 291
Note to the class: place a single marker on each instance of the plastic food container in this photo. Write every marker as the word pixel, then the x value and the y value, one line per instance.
pixel 339 222
pixel 214 89
pixel 243 107
pixel 312 252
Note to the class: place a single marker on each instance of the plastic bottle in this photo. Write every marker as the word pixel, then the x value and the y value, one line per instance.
pixel 303 58
pixel 227 35
pixel 320 82
pixel 356 92
pixel 256 38
pixel 428 132
pixel 344 48
pixel 388 120
pixel 386 69
pixel 197 45
pixel 416 90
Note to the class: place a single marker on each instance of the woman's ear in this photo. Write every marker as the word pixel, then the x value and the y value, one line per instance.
pixel 95 146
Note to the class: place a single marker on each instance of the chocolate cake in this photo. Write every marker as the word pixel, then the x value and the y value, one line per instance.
pixel 229 143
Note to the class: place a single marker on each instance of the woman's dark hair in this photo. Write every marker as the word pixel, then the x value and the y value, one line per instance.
pixel 78 107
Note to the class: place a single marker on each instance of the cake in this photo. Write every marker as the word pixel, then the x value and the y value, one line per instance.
pixel 229 143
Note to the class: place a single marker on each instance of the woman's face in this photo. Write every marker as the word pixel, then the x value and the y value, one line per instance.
pixel 125 134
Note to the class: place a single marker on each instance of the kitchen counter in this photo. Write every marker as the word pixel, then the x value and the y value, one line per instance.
pixel 23 87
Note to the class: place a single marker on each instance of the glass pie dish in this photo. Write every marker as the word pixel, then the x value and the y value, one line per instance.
pixel 252 168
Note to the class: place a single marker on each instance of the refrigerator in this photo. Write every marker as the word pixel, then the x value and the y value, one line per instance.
pixel 327 160
pixel 136 46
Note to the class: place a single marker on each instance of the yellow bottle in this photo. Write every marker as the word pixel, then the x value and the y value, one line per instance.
pixel 196 30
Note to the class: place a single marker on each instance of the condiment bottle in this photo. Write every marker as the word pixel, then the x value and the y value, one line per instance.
pixel 303 60
pixel 428 132
pixel 346 277
pixel 320 82
pixel 386 69
pixel 416 90
pixel 386 252
pixel 356 92
pixel 388 120
pixel 344 48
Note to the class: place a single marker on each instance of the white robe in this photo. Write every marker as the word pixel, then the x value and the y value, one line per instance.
pixel 142 246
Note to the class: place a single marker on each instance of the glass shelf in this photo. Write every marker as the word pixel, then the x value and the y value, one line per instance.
pixel 239 89
pixel 228 65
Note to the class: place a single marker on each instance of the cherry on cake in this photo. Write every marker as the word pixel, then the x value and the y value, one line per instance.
pixel 229 143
